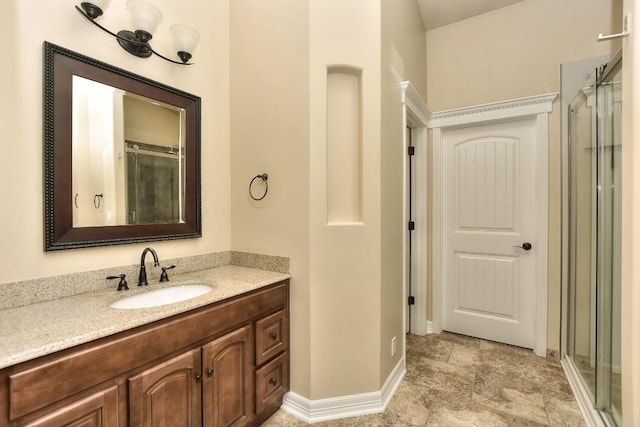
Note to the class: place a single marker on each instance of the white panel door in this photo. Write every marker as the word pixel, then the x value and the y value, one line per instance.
pixel 489 215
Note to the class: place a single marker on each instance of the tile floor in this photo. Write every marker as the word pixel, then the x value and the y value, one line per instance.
pixel 454 380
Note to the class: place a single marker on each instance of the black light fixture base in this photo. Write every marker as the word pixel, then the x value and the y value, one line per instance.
pixel 91 9
pixel 136 43
pixel 184 56
pixel 132 44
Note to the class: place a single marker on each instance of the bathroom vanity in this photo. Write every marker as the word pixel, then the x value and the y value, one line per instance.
pixel 217 360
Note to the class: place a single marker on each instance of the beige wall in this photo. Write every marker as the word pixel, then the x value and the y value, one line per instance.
pixel 516 52
pixel 270 133
pixel 24 26
pixel 151 123
pixel 345 258
pixel 631 222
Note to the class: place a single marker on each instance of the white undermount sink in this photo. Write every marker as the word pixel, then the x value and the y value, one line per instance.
pixel 162 296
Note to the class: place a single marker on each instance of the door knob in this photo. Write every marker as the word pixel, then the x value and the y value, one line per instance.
pixel 526 246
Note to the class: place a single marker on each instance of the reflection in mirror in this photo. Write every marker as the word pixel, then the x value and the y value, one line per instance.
pixel 128 158
pixel 121 155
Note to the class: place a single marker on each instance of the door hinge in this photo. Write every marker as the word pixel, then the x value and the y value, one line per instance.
pixel 412 300
pixel 411 150
pixel 412 225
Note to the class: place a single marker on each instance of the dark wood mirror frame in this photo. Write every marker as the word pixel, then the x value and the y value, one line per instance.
pixel 60 65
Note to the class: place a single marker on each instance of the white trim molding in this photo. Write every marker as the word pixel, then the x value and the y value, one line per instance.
pixel 314 411
pixel 415 115
pixel 414 102
pixel 495 111
pixel 537 107
pixel 436 232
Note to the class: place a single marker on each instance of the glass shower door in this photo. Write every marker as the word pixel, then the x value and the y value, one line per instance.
pixel 609 98
pixel 595 234
pixel 583 235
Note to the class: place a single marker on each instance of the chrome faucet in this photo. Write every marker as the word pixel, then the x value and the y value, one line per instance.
pixel 142 277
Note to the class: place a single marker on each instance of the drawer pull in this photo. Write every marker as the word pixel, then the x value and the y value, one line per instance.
pixel 273 382
pixel 210 373
pixel 274 336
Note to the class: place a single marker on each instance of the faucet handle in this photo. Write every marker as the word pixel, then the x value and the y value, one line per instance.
pixel 122 285
pixel 164 277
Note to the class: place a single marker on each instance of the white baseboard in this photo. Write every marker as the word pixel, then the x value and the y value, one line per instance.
pixel 591 416
pixel 423 327
pixel 429 327
pixel 420 327
pixel 314 411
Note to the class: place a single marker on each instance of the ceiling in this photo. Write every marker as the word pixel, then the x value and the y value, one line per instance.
pixel 437 13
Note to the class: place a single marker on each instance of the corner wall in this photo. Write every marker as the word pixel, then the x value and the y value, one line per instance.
pixel 270 134
pixel 345 258
pixel 346 289
pixel 515 52
pixel 280 52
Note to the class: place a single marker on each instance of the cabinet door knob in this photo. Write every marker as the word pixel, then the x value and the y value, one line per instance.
pixel 273 382
pixel 273 336
pixel 210 373
pixel 198 377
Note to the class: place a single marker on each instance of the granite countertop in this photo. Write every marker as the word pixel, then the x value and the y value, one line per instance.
pixel 39 329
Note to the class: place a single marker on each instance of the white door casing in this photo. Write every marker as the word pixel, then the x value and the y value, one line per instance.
pixel 416 116
pixel 489 197
pixel 535 108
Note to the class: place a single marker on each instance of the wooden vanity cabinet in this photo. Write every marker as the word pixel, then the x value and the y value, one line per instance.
pixel 225 364
pixel 97 410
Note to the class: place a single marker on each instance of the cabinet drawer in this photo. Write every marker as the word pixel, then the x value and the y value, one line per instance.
pixel 272 335
pixel 272 382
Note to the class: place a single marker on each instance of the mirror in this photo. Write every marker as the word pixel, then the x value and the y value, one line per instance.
pixel 128 157
pixel 122 155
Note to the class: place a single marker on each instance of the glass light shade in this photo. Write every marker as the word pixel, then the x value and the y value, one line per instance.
pixel 102 4
pixel 144 15
pixel 185 38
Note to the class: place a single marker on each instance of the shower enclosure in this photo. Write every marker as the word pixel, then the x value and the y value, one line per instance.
pixel 155 180
pixel 595 150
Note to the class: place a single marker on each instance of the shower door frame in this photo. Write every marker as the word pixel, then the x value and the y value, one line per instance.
pixel 587 403
pixel 572 76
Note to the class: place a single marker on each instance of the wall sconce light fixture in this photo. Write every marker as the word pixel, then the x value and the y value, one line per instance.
pixel 145 18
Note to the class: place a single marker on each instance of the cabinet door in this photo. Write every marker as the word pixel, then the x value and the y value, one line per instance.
pixel 98 410
pixel 168 394
pixel 228 382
